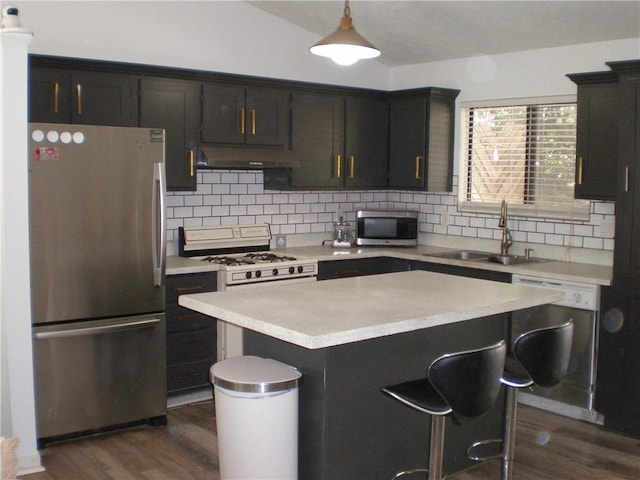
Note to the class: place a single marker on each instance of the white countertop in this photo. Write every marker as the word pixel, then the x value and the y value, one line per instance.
pixel 556 270
pixel 335 312
pixel 552 269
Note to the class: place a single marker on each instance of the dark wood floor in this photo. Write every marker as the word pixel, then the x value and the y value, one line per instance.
pixel 548 447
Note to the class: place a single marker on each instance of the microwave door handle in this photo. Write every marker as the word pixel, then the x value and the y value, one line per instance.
pixel 158 224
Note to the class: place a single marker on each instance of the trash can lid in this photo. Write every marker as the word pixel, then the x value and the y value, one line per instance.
pixel 254 375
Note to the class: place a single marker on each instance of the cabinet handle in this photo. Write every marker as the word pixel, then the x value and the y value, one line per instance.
pixel 191 162
pixel 418 162
pixel 626 179
pixel 183 290
pixel 580 165
pixel 243 119
pixel 339 166
pixel 56 98
pixel 253 121
pixel 79 90
pixel 352 166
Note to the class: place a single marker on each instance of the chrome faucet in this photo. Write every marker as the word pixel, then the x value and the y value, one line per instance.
pixel 506 235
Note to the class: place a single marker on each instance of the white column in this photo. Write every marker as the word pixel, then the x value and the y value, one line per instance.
pixel 17 402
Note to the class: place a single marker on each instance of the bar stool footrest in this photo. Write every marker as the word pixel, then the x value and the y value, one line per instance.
pixel 489 444
pixel 415 471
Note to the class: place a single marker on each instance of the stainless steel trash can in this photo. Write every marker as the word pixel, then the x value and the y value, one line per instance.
pixel 256 403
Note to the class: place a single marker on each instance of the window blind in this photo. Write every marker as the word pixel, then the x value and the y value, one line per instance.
pixel 524 154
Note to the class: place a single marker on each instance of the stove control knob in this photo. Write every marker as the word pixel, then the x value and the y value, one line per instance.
pixel 247 275
pixel 275 272
pixel 300 269
pixel 258 274
pixel 292 270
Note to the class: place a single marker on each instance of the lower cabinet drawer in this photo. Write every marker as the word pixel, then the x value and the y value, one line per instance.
pixel 188 375
pixel 180 319
pixel 193 345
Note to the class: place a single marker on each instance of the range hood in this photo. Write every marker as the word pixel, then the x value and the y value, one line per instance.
pixel 245 157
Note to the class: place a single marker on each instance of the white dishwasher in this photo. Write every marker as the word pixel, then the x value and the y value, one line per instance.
pixel 574 397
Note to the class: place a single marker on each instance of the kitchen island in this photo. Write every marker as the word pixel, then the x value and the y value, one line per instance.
pixel 350 337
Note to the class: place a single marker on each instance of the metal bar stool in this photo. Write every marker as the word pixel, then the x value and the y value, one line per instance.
pixel 539 357
pixel 464 384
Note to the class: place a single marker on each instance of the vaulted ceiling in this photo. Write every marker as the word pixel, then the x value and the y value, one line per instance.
pixel 409 32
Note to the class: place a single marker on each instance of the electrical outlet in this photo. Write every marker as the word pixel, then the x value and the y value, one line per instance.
pixel 281 241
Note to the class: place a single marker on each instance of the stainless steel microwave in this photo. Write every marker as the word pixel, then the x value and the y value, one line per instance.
pixel 387 228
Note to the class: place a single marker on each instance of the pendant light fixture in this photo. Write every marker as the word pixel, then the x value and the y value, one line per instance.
pixel 345 46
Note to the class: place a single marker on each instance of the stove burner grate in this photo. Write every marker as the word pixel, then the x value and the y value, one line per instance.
pixel 269 257
pixel 231 261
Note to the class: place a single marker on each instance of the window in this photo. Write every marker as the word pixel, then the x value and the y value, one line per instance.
pixel 523 153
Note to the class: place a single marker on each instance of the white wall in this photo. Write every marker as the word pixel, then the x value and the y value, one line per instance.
pixel 17 415
pixel 530 73
pixel 231 37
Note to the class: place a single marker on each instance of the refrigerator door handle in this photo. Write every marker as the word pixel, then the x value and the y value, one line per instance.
pixel 158 224
pixel 76 332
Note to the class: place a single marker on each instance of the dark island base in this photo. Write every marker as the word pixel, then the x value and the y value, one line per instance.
pixel 349 430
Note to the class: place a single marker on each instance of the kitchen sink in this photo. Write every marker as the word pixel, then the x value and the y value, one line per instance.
pixel 514 259
pixel 477 256
pixel 460 255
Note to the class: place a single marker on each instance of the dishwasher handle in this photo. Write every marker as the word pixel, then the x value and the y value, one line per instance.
pixel 85 331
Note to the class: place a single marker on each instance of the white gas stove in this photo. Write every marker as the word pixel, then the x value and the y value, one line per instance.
pixel 242 252
pixel 224 246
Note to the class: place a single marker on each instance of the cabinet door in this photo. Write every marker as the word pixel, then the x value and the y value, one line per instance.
pixel 317 126
pixel 104 99
pixel 597 141
pixel 49 96
pixel 619 353
pixel 627 248
pixel 223 114
pixel 421 140
pixel 366 142
pixel 407 142
pixel 175 106
pixel 267 116
pixel 617 386
pixel 191 336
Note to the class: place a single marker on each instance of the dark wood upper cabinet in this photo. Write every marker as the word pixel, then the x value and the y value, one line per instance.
pixel 175 106
pixel 366 151
pixel 49 95
pixel 317 140
pixel 67 96
pixel 238 115
pixel 597 135
pixel 421 139
pixel 340 141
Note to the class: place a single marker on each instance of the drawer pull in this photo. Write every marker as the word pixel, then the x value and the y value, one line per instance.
pixel 182 290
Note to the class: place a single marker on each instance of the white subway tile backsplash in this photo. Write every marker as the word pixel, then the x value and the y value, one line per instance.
pixel 551 239
pixel 238 197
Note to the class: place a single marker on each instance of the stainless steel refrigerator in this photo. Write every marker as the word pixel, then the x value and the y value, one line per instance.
pixel 98 241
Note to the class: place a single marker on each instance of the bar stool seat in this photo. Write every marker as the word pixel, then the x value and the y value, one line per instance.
pixel 539 357
pixel 464 384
